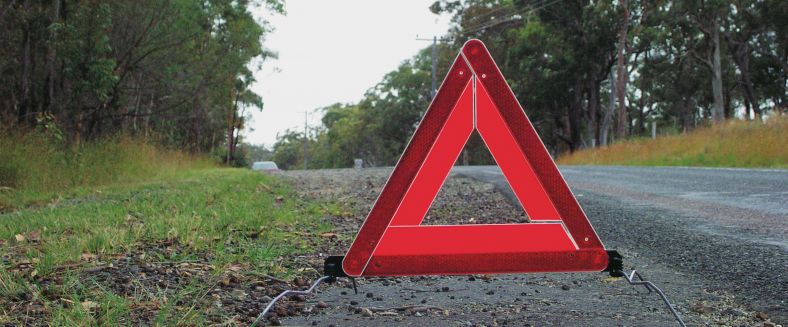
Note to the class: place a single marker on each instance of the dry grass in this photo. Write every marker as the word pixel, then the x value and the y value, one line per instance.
pixel 733 144
pixel 35 167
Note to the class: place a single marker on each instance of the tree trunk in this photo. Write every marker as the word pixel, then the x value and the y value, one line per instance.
pixel 718 109
pixel 687 116
pixel 621 85
pixel 593 112
pixel 608 116
pixel 51 58
pixel 574 113
pixel 24 82
pixel 231 125
pixel 741 57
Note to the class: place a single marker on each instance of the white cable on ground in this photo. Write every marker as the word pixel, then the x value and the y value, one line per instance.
pixel 286 293
pixel 650 286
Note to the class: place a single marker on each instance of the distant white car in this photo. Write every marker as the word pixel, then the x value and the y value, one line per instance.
pixel 265 166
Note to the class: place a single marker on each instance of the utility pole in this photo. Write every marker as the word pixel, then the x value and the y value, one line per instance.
pixel 434 63
pixel 434 40
pixel 653 129
pixel 306 139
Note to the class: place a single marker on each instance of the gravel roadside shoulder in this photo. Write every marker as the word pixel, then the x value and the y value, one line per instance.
pixel 576 299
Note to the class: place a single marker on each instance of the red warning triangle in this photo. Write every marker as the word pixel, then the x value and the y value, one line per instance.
pixel 474 96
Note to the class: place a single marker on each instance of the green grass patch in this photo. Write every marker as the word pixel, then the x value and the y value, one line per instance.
pixel 221 216
pixel 732 144
pixel 233 214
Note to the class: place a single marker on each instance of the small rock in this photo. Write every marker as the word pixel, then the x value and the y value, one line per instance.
pixel 701 308
pixel 274 321
pixel 299 298
pixel 353 302
pixel 762 316
pixel 36 308
pixel 565 287
pixel 470 279
pixel 239 295
pixel 491 292
pixel 769 324
pixel 300 281
pixel 423 301
pixel 418 314
pixel 445 289
pixel 366 312
pixel 733 312
pixel 370 295
pixel 322 305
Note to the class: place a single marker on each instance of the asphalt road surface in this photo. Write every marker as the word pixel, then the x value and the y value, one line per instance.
pixel 728 227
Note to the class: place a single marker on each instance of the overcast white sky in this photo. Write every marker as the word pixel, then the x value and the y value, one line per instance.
pixel 333 51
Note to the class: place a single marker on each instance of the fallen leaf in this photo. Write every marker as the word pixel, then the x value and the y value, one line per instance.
pixel 19 237
pixel 328 235
pixel 87 257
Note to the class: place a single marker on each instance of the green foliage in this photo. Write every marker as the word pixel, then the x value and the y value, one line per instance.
pixel 558 58
pixel 177 69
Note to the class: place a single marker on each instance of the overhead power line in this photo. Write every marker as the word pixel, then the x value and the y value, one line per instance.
pixel 509 18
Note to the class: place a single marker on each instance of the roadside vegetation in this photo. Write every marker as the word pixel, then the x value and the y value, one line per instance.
pixel 38 166
pixel 733 144
pixel 131 252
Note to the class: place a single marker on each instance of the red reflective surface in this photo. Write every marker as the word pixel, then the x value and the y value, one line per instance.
pixel 392 242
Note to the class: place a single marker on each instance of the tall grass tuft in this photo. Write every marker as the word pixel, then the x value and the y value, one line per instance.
pixel 35 166
pixel 735 143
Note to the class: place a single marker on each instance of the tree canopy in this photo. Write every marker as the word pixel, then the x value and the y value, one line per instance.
pixel 176 70
pixel 587 73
